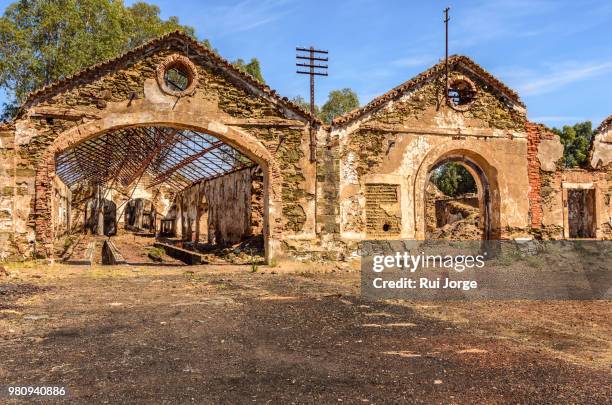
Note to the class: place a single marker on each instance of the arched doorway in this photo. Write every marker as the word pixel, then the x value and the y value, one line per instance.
pixel 479 209
pixel 223 139
pixel 140 215
pixel 456 201
pixel 107 218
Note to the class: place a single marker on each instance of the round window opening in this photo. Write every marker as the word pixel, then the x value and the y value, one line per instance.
pixel 461 93
pixel 177 76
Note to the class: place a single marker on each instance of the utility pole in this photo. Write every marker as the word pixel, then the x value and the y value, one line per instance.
pixel 311 56
pixel 446 20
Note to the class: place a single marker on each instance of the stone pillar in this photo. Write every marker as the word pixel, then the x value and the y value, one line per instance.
pixel 179 218
pixel 198 215
pixel 100 227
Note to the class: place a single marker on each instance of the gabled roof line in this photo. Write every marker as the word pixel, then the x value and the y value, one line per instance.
pixel 193 44
pixel 605 124
pixel 423 77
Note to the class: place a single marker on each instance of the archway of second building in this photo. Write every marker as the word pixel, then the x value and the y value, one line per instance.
pixel 245 143
pixel 471 215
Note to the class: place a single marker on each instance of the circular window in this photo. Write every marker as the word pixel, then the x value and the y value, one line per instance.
pixel 177 76
pixel 461 93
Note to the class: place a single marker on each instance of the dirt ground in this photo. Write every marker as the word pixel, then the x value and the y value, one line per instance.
pixel 295 333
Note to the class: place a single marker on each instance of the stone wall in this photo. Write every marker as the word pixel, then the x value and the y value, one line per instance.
pixel 61 208
pixel 399 143
pixel 125 91
pixel 601 151
pixel 544 151
pixel 308 208
pixel 231 207
pixel 555 198
pixel 383 213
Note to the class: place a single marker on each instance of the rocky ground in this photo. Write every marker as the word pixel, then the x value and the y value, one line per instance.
pixel 465 228
pixel 465 224
pixel 295 333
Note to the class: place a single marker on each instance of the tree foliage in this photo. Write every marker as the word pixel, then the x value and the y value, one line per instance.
pixel 453 180
pixel 43 41
pixel 253 68
pixel 576 142
pixel 339 102
pixel 299 100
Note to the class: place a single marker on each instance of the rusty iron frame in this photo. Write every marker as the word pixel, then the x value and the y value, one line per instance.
pixel 158 155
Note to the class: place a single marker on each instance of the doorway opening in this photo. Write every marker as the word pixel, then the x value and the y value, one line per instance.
pixel 457 201
pixel 581 213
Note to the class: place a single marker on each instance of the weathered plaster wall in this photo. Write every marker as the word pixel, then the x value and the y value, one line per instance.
pixel 7 191
pixel 555 197
pixel 16 189
pixel 127 93
pixel 601 154
pixel 61 207
pixel 549 183
pixel 399 143
pixel 230 204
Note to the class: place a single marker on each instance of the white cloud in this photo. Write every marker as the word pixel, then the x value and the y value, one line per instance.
pixel 246 15
pixel 551 80
pixel 494 19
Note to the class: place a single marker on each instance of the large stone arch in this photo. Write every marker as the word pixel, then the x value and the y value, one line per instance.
pixel 237 138
pixel 484 173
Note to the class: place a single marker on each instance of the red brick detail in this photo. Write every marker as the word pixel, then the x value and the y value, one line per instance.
pixel 535 133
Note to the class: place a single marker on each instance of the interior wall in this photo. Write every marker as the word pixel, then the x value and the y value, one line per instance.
pixel 60 208
pixel 230 202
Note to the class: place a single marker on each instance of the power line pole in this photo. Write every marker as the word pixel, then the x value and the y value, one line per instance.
pixel 311 56
pixel 446 20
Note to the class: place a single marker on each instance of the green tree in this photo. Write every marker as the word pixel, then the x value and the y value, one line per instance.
pixel 43 41
pixel 299 100
pixel 453 180
pixel 576 142
pixel 253 68
pixel 339 102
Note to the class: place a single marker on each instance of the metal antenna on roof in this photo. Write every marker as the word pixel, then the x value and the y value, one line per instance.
pixel 446 20
pixel 308 55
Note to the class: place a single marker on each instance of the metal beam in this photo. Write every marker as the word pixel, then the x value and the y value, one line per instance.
pixel 162 176
pixel 163 142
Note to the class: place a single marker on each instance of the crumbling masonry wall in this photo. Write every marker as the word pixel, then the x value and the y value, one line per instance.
pixel 383 214
pixel 125 92
pixel 550 186
pixel 311 209
pixel 230 208
pixel 61 208
pixel 398 143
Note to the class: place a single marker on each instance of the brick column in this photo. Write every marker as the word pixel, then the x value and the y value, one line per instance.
pixel 535 134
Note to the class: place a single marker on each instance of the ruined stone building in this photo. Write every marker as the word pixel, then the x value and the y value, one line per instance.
pixel 212 154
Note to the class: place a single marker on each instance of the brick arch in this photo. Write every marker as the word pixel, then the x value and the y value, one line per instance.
pixel 241 140
pixel 484 173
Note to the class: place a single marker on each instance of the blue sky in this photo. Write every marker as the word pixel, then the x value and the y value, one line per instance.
pixel 557 54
